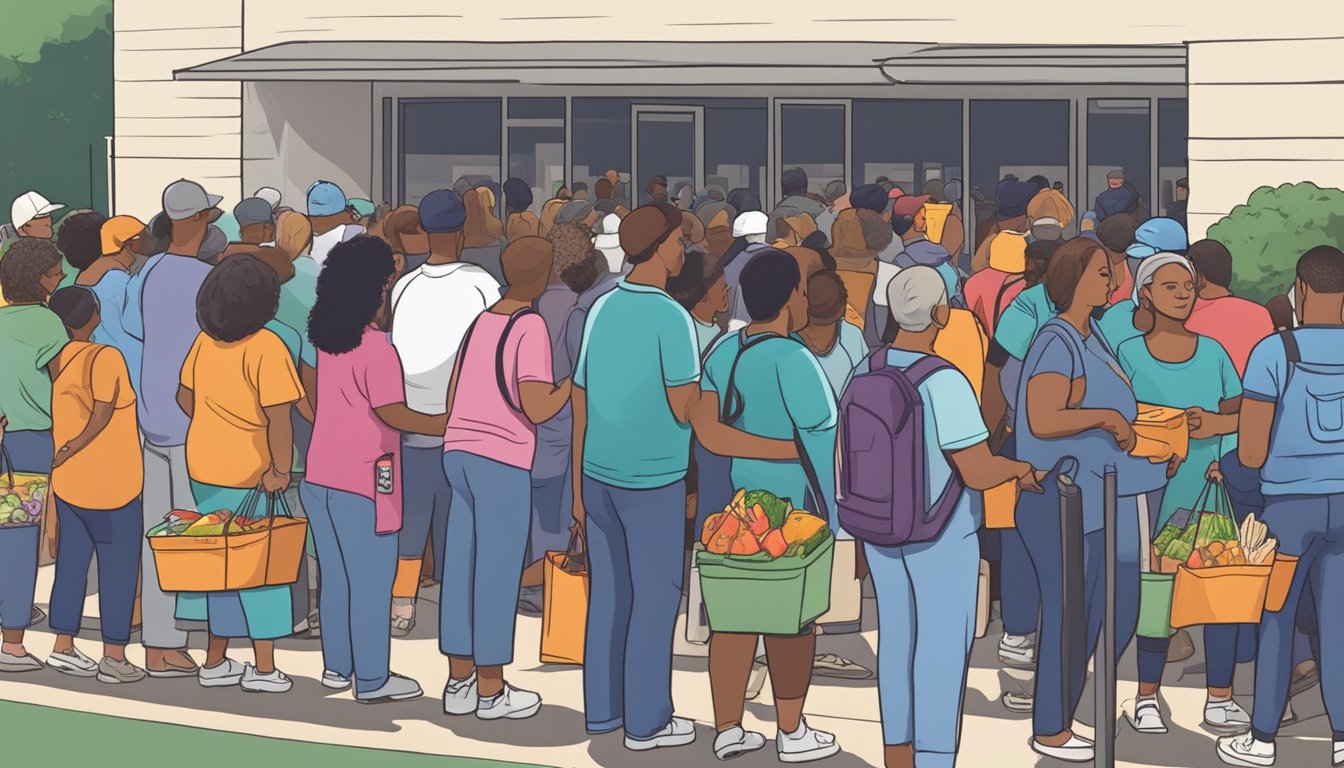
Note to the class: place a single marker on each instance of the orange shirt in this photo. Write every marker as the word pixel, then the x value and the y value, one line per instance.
pixel 963 343
pixel 108 473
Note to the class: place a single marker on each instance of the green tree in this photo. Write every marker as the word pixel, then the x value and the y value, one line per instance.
pixel 1274 228
pixel 56 83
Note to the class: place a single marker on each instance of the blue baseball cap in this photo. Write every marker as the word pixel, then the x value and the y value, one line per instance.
pixel 326 199
pixel 1158 235
pixel 442 211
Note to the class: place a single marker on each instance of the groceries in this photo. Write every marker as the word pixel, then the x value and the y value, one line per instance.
pixel 1259 547
pixel 22 501
pixel 261 544
pixel 1225 577
pixel 756 522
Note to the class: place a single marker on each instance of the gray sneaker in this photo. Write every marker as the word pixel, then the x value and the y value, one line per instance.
pixel 115 671
pixel 397 688
pixel 12 664
pixel 530 601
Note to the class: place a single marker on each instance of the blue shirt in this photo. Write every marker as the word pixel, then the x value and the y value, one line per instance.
pixel 1017 327
pixel 1306 445
pixel 1117 325
pixel 849 351
pixel 167 300
pixel 928 254
pixel 112 290
pixel 782 389
pixel 638 342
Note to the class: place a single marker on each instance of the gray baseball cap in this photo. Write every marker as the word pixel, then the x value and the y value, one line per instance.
pixel 183 199
pixel 253 210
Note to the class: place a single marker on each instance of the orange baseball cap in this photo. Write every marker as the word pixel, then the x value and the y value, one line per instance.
pixel 118 230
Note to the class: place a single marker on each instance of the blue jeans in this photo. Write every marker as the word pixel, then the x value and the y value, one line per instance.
pixel 424 504
pixel 356 566
pixel 714 486
pixel 1019 596
pixel 551 515
pixel 31 451
pixel 635 559
pixel 1038 523
pixel 1225 646
pixel 483 557
pixel 926 602
pixel 114 534
pixel 1312 528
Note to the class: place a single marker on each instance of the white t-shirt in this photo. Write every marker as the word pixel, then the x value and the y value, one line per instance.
pixel 323 243
pixel 432 307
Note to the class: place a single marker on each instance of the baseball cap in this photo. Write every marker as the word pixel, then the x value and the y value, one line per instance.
pixel 1116 174
pixel 750 223
pixel 1159 235
pixel 442 211
pixel 184 198
pixel 31 205
pixel 908 205
pixel 607 229
pixel 270 194
pixel 326 199
pixel 870 196
pixel 117 231
pixel 253 210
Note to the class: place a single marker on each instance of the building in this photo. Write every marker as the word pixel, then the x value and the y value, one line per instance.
pixel 390 101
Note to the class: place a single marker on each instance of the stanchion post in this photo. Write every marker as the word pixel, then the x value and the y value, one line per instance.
pixel 1105 661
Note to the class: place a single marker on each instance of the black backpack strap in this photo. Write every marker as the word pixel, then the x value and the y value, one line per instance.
pixel 499 357
pixel 813 480
pixel 998 300
pixel 730 405
pixel 1292 355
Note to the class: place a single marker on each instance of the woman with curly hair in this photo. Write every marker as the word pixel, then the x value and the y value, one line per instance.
pixel 352 490
pixel 78 238
pixel 237 386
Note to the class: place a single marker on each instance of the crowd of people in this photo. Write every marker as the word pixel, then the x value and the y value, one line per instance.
pixel 575 373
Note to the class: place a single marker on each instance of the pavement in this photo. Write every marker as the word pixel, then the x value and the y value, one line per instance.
pixel 556 737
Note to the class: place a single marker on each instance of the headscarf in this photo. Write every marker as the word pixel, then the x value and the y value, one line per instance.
pixel 1149 266
pixel 482 229
pixel 743 200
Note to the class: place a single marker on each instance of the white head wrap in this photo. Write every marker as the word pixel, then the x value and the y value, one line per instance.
pixel 1149 266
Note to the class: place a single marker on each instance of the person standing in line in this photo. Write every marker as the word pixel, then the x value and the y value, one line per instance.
pixel 432 307
pixel 483 233
pixel 352 488
pixel 109 278
pixel 30 215
pixel 489 445
pixel 1236 323
pixel 78 238
pixel 31 337
pixel 410 244
pixel 749 235
pixel 332 218
pixel 97 477
pixel 794 184
pixel 1291 432
pixel 256 221
pixel 520 220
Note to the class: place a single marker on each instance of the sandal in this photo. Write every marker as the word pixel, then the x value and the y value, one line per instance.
pixel 831 665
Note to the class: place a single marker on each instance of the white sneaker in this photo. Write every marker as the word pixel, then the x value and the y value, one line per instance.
pixel 1245 750
pixel 1076 750
pixel 225 673
pixel 1147 716
pixel 73 663
pixel 1020 702
pixel 735 741
pixel 677 733
pixel 459 696
pixel 1226 714
pixel 397 688
pixel 805 745
pixel 255 682
pixel 1017 651
pixel 509 704
pixel 334 680
pixel 1337 757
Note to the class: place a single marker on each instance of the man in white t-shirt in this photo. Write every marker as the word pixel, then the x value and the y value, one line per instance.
pixel 432 307
pixel 332 219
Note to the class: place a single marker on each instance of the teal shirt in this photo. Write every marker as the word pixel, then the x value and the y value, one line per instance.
pixel 1117 325
pixel 1204 381
pixel 1023 319
pixel 297 297
pixel 782 389
pixel 298 346
pixel 637 343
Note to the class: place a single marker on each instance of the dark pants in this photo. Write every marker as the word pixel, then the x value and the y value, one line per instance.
pixel 1019 596
pixel 30 451
pixel 1225 646
pixel 114 535
pixel 551 516
pixel 424 504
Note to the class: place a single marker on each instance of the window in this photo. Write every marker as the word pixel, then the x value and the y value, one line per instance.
pixel 1119 139
pixel 1173 125
pixel 1022 138
pixel 601 136
pixel 444 141
pixel 735 144
pixel 907 142
pixel 812 137
pixel 537 146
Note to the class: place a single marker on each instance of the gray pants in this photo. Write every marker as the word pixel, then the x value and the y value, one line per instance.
pixel 167 487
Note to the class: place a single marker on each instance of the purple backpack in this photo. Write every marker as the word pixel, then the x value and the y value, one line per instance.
pixel 883 488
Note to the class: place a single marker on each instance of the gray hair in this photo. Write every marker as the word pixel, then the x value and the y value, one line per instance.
pixel 913 294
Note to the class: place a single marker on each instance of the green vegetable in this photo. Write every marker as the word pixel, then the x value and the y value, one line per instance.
pixel 776 509
pixel 816 540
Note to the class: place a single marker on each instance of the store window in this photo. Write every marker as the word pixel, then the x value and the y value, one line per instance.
pixel 1021 138
pixel 1173 127
pixel 444 141
pixel 601 134
pixel 1119 139
pixel 812 137
pixel 537 146
pixel 735 144
pixel 909 142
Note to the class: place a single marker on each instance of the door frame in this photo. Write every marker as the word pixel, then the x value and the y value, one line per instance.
pixel 698 115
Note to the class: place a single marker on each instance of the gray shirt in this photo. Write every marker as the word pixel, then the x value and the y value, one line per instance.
pixel 554 436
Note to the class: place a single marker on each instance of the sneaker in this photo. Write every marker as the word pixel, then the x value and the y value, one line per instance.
pixel 37 617
pixel 1075 750
pixel 530 601
pixel 460 697
pixel 830 665
pixel 256 682
pixel 1147 716
pixel 677 733
pixel 735 742
pixel 1021 702
pixel 1305 675
pixel 12 664
pixel 225 673
pixel 1017 651
pixel 509 704
pixel 397 688
pixel 334 680
pixel 805 745
pixel 117 671
pixel 1226 714
pixel 1245 750
pixel 73 662
pixel 1337 756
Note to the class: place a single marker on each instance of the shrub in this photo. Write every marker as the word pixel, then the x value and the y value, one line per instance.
pixel 1276 226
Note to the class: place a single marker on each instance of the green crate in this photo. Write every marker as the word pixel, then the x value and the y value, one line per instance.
pixel 1155 590
pixel 764 595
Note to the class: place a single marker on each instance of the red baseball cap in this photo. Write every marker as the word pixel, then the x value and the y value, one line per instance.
pixel 908 205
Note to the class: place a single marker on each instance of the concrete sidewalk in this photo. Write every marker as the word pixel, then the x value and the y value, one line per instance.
pixel 556 736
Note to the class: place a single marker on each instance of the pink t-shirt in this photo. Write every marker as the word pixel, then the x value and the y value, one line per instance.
pixel 1126 289
pixel 348 437
pixel 480 422
pixel 982 290
pixel 1235 323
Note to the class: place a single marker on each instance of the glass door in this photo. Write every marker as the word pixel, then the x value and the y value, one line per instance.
pixel 667 141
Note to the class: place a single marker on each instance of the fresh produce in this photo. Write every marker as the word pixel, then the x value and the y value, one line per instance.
pixel 773 542
pixel 801 526
pixel 209 525
pixel 719 538
pixel 1259 547
pixel 758 521
pixel 22 503
pixel 775 508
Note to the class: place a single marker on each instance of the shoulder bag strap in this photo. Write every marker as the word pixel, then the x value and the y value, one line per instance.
pixel 730 405
pixel 499 358
pixel 1003 289
pixel 918 373
pixel 1292 355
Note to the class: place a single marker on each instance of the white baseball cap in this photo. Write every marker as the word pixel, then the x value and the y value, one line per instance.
pixel 31 205
pixel 269 194
pixel 750 223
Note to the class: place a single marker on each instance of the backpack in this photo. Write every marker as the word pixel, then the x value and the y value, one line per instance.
pixel 883 493
pixel 1309 420
pixel 499 355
